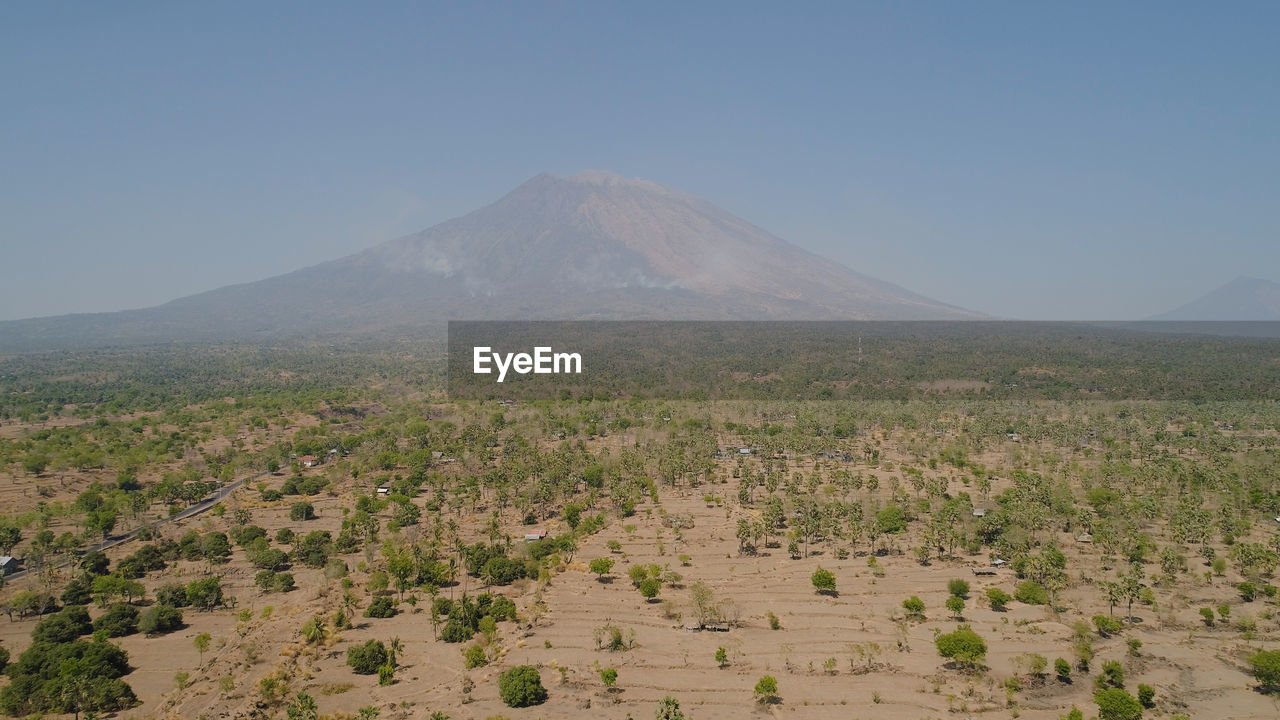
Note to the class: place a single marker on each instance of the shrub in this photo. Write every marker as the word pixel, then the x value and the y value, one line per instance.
pixel 998 598
pixel 1116 704
pixel 205 594
pixel 160 619
pixel 649 588
pixel 609 676
pixel 502 571
pixel 301 511
pixel 118 621
pixel 1112 675
pixel 64 626
pixel 271 581
pixel 1248 591
pixel 1146 695
pixel 172 594
pixel 955 604
pixel 521 686
pixel 1062 669
pixel 474 657
pixel 269 558
pixel 215 547
pixel 1106 626
pixel 1207 615
pixel 766 690
pixel 914 607
pixel 455 631
pixel 381 607
pixel 824 581
pixel 669 709
pixel 367 658
pixel 1265 666
pixel 1031 593
pixel 964 646
pixel 958 588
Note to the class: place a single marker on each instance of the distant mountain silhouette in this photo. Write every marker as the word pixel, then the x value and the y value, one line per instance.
pixel 1244 298
pixel 591 246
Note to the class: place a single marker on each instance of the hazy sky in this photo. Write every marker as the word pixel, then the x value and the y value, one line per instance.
pixel 1037 160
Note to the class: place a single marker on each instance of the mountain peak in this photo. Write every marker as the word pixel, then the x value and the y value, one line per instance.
pixel 598 177
pixel 594 245
pixel 1242 299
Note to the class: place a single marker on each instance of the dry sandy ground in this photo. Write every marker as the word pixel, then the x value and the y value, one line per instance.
pixel 1195 670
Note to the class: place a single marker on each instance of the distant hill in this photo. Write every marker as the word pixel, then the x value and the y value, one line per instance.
pixel 1242 299
pixel 591 246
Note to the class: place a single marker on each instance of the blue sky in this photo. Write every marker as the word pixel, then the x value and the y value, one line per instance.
pixel 1036 160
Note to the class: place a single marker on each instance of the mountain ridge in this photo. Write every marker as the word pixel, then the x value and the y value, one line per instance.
pixel 591 246
pixel 1242 299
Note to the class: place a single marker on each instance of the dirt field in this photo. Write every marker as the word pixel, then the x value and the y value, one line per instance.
pixel 851 655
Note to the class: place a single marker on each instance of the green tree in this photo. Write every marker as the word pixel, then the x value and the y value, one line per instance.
pixel 10 535
pixel 609 676
pixel 998 599
pixel 521 686
pixel 959 588
pixel 367 658
pixel 601 567
pixel 1265 666
pixel 205 594
pixel 955 604
pixel 669 709
pixel 964 647
pixel 118 621
pixel 766 690
pixel 722 657
pixel 824 581
pixel 649 588
pixel 1031 593
pixel 914 607
pixel 1116 704
pixel 201 643
pixel 160 619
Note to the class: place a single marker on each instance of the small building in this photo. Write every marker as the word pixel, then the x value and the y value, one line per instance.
pixel 8 564
pixel 979 512
pixel 384 489
pixel 984 571
pixel 536 534
pixel 308 461
pixel 998 562
pixel 744 451
pixel 1085 538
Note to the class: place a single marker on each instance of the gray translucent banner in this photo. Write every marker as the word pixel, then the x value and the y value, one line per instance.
pixel 499 360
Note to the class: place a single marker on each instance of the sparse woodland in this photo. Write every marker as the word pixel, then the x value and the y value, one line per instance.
pixel 907 557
